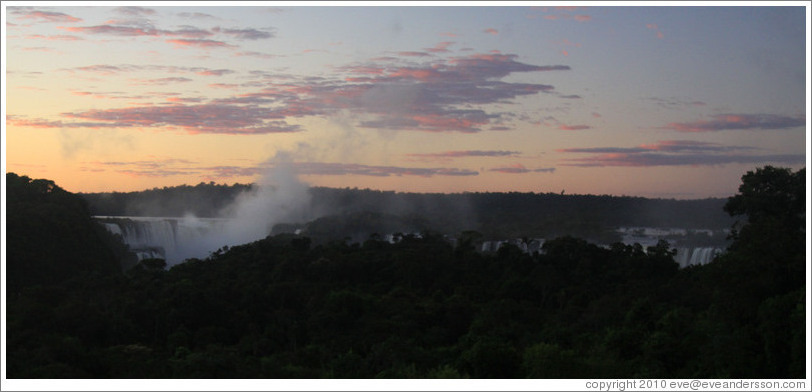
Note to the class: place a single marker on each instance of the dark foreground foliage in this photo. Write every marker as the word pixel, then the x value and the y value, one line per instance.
pixel 51 236
pixel 284 307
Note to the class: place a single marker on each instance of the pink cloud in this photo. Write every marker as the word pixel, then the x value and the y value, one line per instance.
pixel 135 11
pixel 220 172
pixel 440 85
pixel 650 160
pixel 127 31
pixel 163 81
pixel 652 26
pixel 188 36
pixel 184 100
pixel 421 74
pixel 564 13
pixel 569 7
pixel 441 47
pixel 166 167
pixel 202 43
pixel 188 32
pixel 39 49
pixel 257 54
pixel 45 16
pixel 675 103
pixel 723 122
pixel 194 119
pixel 106 69
pixel 667 145
pixel 564 127
pixel 413 54
pixel 103 95
pixel 46 124
pixel 55 37
pixel 674 153
pixel 244 34
pixel 215 72
pixel 448 155
pixel 518 168
pixel 440 122
pixel 437 95
pixel 195 15
pixel 224 85
pixel 340 169
pixel 491 31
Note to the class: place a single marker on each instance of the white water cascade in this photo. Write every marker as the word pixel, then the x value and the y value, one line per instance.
pixel 696 256
pixel 172 239
pixel 688 254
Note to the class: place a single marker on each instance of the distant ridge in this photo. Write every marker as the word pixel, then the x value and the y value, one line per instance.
pixel 491 213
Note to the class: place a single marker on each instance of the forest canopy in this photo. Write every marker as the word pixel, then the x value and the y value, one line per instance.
pixel 495 215
pixel 418 307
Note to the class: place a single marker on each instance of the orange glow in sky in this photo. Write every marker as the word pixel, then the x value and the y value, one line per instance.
pixel 674 102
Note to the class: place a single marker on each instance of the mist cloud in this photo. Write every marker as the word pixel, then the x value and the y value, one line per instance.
pixel 278 196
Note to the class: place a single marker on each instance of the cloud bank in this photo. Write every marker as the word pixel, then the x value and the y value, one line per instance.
pixel 439 95
pixel 674 153
pixel 723 122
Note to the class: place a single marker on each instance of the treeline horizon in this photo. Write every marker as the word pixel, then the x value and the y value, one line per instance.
pixel 115 198
pixel 494 214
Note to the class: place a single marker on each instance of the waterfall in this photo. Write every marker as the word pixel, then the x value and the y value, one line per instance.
pixel 696 256
pixel 688 253
pixel 171 239
pixel 531 247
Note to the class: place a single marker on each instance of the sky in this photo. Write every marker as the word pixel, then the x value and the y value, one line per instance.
pixel 660 100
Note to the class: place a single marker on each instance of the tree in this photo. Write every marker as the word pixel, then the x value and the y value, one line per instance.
pixel 51 236
pixel 773 201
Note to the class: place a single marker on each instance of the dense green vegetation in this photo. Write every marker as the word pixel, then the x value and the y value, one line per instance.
pixel 286 307
pixel 51 235
pixel 202 200
pixel 495 215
